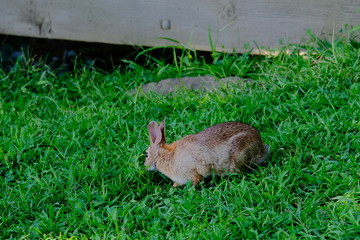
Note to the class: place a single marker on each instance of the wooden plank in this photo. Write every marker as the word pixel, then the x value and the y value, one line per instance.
pixel 232 23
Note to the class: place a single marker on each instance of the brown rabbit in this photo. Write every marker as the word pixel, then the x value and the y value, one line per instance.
pixel 224 148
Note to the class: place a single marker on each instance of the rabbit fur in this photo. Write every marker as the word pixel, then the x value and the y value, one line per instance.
pixel 224 148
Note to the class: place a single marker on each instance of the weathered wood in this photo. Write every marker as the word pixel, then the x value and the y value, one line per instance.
pixel 232 23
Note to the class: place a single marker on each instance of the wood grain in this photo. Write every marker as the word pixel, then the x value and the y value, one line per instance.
pixel 232 23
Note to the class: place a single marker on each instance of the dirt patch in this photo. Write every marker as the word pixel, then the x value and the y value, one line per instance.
pixel 202 84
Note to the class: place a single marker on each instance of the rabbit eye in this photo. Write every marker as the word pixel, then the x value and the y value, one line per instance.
pixel 146 155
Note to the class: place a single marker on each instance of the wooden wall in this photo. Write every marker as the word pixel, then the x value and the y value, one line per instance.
pixel 232 23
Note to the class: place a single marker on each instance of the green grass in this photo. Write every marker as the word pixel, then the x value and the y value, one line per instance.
pixel 72 150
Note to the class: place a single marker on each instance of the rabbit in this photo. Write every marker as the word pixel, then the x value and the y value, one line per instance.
pixel 224 148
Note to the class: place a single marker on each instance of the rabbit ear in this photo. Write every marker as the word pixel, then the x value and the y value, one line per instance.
pixel 162 129
pixel 155 132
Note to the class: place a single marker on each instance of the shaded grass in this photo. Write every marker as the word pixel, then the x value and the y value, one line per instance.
pixel 72 150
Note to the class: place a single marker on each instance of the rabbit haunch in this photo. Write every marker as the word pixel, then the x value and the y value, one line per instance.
pixel 224 148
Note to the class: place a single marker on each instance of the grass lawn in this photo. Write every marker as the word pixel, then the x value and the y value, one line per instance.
pixel 72 149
